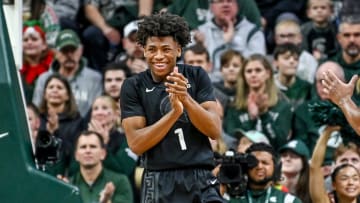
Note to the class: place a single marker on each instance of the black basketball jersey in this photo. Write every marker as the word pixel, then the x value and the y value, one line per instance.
pixel 184 145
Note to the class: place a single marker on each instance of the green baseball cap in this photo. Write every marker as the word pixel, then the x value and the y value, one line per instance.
pixel 67 38
pixel 298 147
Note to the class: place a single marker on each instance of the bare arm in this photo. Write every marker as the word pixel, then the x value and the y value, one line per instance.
pixel 145 7
pixel 340 93
pixel 203 116
pixel 141 137
pixel 93 14
pixel 317 190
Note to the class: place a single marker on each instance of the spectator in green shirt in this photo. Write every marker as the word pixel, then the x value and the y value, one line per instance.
pixel 95 182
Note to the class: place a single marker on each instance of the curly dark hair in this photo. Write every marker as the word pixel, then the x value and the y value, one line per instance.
pixel 162 25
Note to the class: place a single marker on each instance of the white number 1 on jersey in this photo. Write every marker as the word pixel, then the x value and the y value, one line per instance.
pixel 180 134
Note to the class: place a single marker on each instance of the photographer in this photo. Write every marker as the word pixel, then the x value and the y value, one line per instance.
pixel 261 178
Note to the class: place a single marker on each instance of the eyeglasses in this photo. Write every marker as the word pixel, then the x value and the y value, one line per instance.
pixel 222 1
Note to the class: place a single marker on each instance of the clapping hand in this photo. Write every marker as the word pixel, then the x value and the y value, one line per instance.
pixel 107 193
pixel 52 121
pixel 100 128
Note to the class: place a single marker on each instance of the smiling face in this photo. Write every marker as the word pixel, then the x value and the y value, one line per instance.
pixel 89 152
pixel 161 54
pixel 255 75
pixel 104 111
pixel 347 183
pixel 56 93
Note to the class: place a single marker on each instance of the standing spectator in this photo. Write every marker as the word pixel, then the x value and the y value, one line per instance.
pixel 85 83
pixel 95 182
pixel 168 113
pixel 228 31
pixel 59 117
pixel 103 36
pixel 37 57
pixel 258 104
pixel 288 31
pixel 295 169
pixel 320 33
pixel 286 61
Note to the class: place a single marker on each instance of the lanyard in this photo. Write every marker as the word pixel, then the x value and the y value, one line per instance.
pixel 268 192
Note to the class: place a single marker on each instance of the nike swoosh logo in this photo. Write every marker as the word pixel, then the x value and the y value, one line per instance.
pixel 149 90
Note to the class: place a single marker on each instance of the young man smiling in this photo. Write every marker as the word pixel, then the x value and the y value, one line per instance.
pixel 168 112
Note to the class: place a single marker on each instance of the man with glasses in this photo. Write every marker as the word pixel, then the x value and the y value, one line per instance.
pixel 288 31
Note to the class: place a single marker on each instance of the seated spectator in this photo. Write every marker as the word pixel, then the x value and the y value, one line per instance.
pixel 68 62
pixel 345 177
pixel 37 57
pixel 226 31
pixel 295 169
pixel 133 55
pixel 231 62
pixel 60 117
pixel 286 61
pixel 258 105
pixel 274 11
pixel 320 33
pixel 67 12
pixel 103 36
pixel 288 31
pixel 34 120
pixel 95 182
pixel 114 76
pixel 43 11
pixel 197 55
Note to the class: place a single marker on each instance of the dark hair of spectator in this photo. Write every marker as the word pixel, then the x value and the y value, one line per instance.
pixel 164 25
pixel 228 55
pixel 263 147
pixel 70 105
pixel 198 49
pixel 285 48
pixel 302 189
pixel 117 66
pixel 33 108
pixel 88 133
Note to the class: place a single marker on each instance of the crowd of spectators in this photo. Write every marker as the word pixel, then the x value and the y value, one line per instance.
pixel 266 59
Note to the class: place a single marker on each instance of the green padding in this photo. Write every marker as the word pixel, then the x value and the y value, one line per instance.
pixel 20 180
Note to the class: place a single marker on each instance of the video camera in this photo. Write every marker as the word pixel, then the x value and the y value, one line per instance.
pixel 47 148
pixel 233 171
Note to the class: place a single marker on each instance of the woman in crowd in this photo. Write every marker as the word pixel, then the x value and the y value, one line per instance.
pixel 258 103
pixel 295 169
pixel 37 57
pixel 345 177
pixel 60 117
